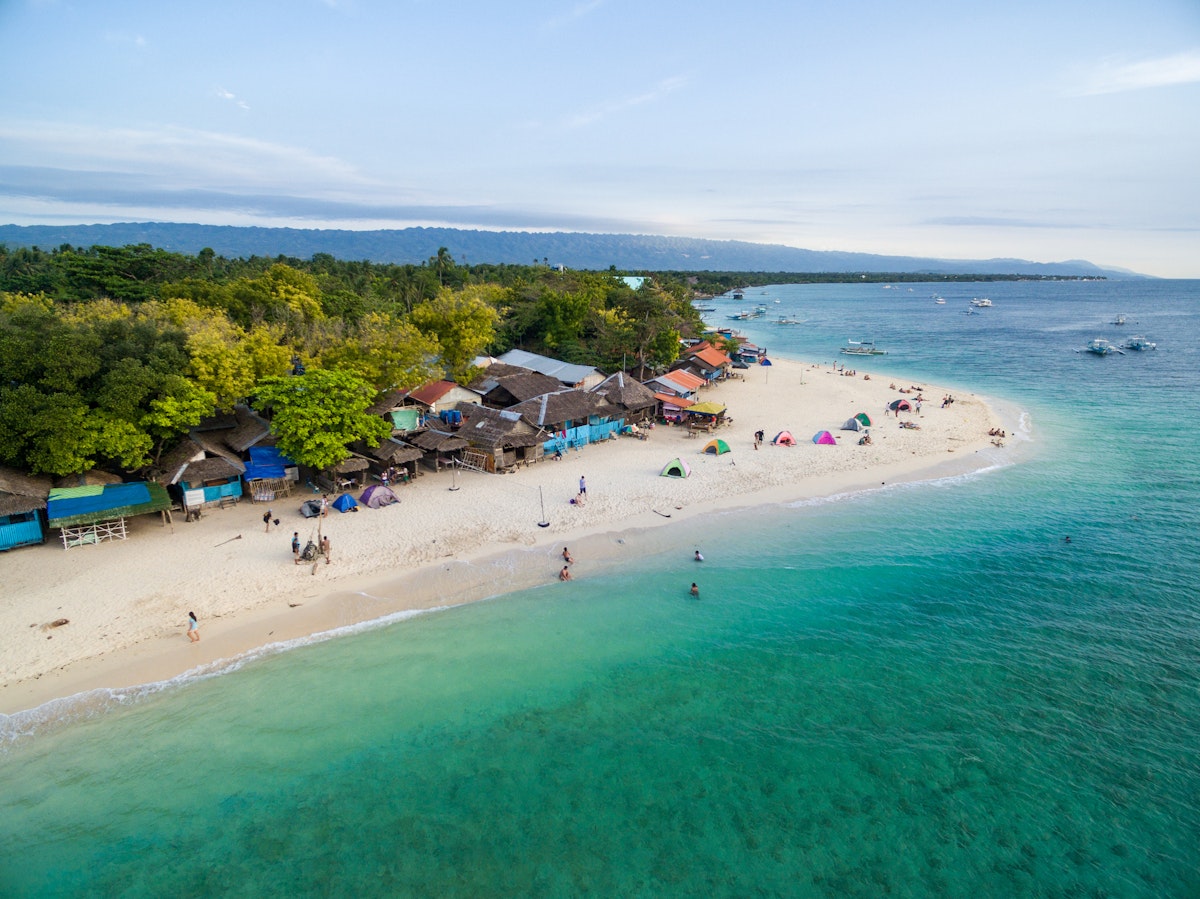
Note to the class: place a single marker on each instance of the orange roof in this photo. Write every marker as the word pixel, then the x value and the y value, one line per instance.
pixel 673 400
pixel 684 379
pixel 432 392
pixel 710 355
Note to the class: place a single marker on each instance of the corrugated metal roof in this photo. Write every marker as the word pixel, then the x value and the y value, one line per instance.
pixel 567 372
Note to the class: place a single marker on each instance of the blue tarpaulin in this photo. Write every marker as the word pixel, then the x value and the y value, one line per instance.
pixel 113 496
pixel 266 462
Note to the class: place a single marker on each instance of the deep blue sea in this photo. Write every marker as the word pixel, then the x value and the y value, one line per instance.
pixel 920 691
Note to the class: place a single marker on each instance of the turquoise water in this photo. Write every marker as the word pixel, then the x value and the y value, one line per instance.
pixel 924 691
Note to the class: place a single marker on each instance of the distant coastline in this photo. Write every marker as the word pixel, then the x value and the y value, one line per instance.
pixel 597 252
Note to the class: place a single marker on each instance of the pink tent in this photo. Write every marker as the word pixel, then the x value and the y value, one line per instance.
pixel 824 437
pixel 784 438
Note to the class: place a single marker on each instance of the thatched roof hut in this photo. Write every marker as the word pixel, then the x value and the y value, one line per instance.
pixel 626 393
pixel 504 385
pixel 435 441
pixel 488 428
pixel 21 493
pixel 563 409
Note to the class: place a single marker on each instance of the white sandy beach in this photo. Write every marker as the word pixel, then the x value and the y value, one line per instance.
pixel 127 601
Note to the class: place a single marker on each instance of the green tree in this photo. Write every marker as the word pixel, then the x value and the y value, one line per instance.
pixel 316 415
pixel 464 323
pixel 386 352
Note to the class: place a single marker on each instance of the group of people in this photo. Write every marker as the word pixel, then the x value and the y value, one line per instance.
pixel 565 573
pixel 997 432
pixel 323 547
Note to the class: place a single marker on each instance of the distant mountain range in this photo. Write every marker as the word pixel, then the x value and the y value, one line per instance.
pixel 627 252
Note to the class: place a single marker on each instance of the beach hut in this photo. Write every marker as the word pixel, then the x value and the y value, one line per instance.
pixel 92 513
pixel 22 508
pixel 900 406
pixel 854 424
pixel 824 438
pixel 784 438
pixel 676 468
pixel 377 496
pixel 345 503
pixel 716 447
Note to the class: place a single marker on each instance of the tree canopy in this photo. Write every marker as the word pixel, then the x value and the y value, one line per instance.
pixel 109 354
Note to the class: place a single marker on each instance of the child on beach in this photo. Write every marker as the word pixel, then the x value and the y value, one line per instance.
pixel 193 628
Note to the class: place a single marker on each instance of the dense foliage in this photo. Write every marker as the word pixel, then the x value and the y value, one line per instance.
pixel 109 354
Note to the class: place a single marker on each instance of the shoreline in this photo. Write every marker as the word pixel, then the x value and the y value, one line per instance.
pixel 388 563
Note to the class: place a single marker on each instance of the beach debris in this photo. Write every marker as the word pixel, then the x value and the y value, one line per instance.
pixel 663 514
pixel 231 539
pixel 57 622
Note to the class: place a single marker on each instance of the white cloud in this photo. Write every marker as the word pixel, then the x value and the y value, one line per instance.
pixel 1113 76
pixel 185 155
pixel 612 107
pixel 578 11
pixel 232 98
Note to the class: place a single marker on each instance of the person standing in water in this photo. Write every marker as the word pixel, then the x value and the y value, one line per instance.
pixel 193 628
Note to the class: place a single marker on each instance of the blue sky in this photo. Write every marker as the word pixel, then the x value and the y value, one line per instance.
pixel 1039 130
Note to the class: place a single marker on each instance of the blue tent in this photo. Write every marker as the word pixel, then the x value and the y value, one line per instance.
pixel 345 503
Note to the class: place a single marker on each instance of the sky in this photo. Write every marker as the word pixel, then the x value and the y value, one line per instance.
pixel 1045 130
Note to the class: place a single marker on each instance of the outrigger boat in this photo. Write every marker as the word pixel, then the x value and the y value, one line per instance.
pixel 862 348
pixel 1101 347
pixel 1139 343
pixel 981 303
pixel 1120 319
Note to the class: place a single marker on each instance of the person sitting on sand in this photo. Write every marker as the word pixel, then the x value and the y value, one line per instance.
pixel 567 556
pixel 565 574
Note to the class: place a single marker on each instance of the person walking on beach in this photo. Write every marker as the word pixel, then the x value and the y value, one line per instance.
pixel 193 628
pixel 582 486
pixel 324 504
pixel 267 520
pixel 296 547
pixel 325 548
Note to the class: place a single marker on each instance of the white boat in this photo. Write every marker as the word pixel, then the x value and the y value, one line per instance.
pixel 1120 319
pixel 783 320
pixel 862 348
pixel 941 301
pixel 981 303
pixel 1101 347
pixel 1139 343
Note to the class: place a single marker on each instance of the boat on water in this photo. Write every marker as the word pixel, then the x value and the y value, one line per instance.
pixel 1119 319
pixel 941 301
pixel 1101 347
pixel 784 320
pixel 862 348
pixel 1139 343
pixel 981 303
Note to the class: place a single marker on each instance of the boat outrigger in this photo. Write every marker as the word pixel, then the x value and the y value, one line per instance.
pixel 1101 347
pixel 862 348
pixel 1139 343
pixel 981 303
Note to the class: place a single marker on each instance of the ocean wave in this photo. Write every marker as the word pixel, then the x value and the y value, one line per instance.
pixel 92 703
